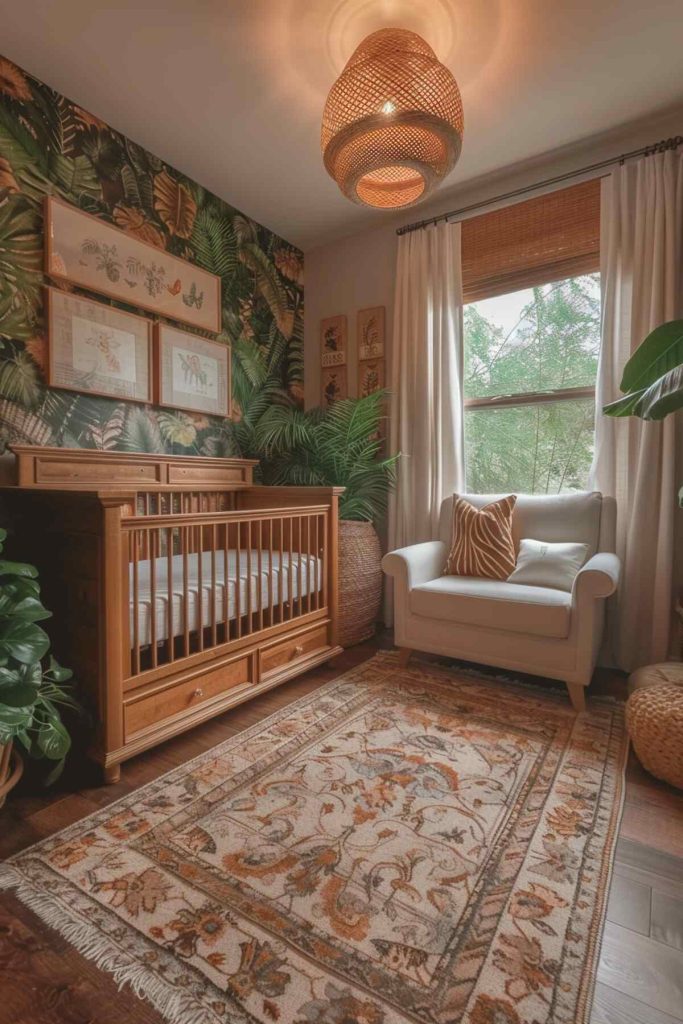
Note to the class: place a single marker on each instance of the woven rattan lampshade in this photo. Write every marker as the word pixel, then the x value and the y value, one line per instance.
pixel 393 122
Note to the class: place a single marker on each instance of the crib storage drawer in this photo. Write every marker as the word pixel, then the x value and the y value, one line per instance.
pixel 274 657
pixel 186 696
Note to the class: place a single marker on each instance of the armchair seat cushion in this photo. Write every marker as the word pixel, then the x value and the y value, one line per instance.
pixel 494 604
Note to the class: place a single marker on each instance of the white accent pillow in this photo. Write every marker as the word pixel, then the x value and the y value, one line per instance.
pixel 541 564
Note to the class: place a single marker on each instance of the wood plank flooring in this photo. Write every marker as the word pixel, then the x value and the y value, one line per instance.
pixel 43 980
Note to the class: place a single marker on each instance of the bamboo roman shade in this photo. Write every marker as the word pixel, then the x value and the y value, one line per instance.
pixel 544 239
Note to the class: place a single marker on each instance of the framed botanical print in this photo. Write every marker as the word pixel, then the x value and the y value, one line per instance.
pixel 97 349
pixel 370 377
pixel 370 327
pixel 333 385
pixel 333 341
pixel 93 254
pixel 192 373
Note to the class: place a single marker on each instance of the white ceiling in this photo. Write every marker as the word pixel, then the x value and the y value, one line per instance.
pixel 231 91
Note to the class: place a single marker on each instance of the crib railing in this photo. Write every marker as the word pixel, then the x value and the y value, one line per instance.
pixel 197 580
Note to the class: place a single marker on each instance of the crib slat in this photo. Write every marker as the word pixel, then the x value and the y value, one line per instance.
pixel 214 634
pixel 226 580
pixel 260 574
pixel 200 584
pixel 169 587
pixel 186 619
pixel 136 603
pixel 249 601
pixel 308 563
pixel 280 569
pixel 271 610
pixel 151 546
pixel 238 581
pixel 325 568
pixel 290 568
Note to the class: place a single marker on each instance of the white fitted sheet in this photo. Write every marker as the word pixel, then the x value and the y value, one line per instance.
pixel 249 581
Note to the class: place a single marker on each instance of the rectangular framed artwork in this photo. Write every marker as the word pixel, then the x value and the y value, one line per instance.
pixel 334 385
pixel 192 373
pixel 96 255
pixel 370 377
pixel 370 328
pixel 333 341
pixel 96 349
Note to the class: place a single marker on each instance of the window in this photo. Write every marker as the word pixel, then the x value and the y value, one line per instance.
pixel 532 337
pixel 530 364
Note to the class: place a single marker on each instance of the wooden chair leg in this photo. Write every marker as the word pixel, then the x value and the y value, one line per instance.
pixel 404 654
pixel 111 773
pixel 577 695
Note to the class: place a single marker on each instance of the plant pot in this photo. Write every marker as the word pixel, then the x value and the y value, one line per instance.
pixel 11 769
pixel 360 581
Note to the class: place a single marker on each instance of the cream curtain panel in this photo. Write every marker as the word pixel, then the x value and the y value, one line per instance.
pixel 427 381
pixel 642 287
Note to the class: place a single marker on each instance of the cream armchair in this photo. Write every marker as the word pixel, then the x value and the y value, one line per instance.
pixel 528 629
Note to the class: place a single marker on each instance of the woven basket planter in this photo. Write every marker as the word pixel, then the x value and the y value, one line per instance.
pixel 11 769
pixel 654 719
pixel 360 581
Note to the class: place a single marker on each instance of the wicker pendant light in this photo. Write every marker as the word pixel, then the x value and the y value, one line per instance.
pixel 393 122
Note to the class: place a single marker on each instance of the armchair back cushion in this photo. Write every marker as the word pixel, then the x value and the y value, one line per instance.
pixel 481 539
pixel 584 517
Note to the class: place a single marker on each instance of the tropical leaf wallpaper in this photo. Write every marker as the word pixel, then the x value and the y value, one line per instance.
pixel 48 145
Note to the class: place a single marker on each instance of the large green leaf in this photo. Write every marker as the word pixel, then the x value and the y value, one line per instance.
pixel 18 602
pixel 8 568
pixel 141 432
pixel 53 739
pixel 23 641
pixel 214 242
pixel 14 721
pixel 661 351
pixel 75 176
pixel 653 403
pixel 269 285
pixel 21 267
pixel 19 380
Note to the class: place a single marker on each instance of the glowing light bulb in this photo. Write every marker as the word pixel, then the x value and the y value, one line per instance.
pixel 388 107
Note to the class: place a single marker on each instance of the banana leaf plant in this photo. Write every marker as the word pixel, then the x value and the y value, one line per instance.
pixel 653 378
pixel 31 690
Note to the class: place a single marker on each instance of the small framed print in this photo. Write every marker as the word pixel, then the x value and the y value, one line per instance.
pixel 193 373
pixel 370 328
pixel 333 341
pixel 97 349
pixel 334 385
pixel 370 377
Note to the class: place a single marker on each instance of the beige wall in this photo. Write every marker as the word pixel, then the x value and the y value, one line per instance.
pixel 355 272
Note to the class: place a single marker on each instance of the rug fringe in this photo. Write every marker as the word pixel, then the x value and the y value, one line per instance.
pixel 175 1007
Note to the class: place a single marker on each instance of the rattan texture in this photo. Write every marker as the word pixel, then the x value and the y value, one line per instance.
pixel 654 718
pixel 360 582
pixel 393 122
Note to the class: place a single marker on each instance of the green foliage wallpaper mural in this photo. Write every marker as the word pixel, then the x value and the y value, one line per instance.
pixel 50 146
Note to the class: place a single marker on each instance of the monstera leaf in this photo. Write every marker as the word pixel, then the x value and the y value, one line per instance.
pixel 174 204
pixel 268 283
pixel 653 376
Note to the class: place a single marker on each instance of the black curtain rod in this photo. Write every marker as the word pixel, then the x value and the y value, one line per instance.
pixel 657 147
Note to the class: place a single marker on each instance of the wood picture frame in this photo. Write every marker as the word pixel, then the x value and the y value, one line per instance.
pixel 333 341
pixel 96 349
pixel 191 372
pixel 94 254
pixel 333 385
pixel 370 328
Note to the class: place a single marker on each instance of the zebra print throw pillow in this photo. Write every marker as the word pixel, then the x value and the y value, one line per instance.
pixel 481 539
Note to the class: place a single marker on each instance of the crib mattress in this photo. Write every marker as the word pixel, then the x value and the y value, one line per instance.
pixel 243 578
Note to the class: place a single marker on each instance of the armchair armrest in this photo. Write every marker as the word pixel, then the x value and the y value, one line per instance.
pixel 599 577
pixel 416 564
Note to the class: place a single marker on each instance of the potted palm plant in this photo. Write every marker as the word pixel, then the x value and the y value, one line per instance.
pixel 338 446
pixel 31 690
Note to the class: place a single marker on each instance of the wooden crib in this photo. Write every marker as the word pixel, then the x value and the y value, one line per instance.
pixel 179 587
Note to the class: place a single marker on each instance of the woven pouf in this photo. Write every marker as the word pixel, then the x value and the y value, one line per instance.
pixel 654 718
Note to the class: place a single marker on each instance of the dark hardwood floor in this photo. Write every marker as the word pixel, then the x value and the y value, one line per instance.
pixel 43 980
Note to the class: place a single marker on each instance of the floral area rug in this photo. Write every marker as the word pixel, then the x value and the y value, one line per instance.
pixel 402 845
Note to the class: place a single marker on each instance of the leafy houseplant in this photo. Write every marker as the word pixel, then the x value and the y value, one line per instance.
pixel 338 446
pixel 653 378
pixel 30 693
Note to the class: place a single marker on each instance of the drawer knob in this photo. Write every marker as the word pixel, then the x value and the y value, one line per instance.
pixel 298 650
pixel 198 692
